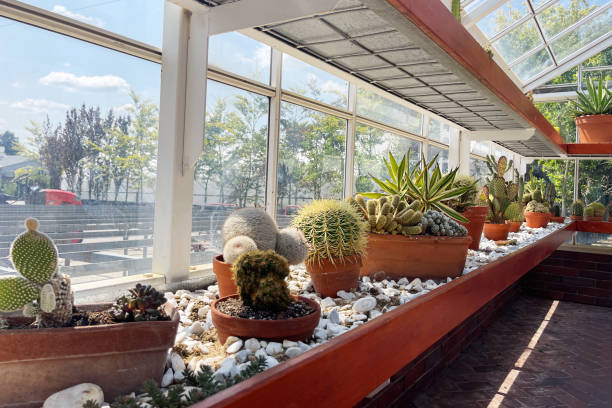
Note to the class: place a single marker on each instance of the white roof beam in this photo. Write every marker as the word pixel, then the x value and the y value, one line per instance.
pixel 480 12
pixel 502 135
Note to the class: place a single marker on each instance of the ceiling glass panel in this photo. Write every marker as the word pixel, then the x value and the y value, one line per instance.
pixel 518 41
pixel 583 35
pixel 532 65
pixel 503 17
pixel 538 3
pixel 564 13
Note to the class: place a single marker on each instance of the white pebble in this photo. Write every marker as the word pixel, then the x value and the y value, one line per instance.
pixel 374 314
pixel 303 346
pixel 320 333
pixel 334 316
pixel 293 352
pixel 430 284
pixel 261 353
pixel 364 305
pixel 289 343
pixel 252 345
pixel 178 376
pixel 345 295
pixel 274 348
pixel 271 362
pixel 242 356
pixel 202 311
pixel 234 347
pixel 322 323
pixel 177 362
pixel 167 378
pixel 359 316
pixel 196 328
pixel 327 302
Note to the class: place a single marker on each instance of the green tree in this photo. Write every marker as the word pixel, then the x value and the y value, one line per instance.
pixel 9 142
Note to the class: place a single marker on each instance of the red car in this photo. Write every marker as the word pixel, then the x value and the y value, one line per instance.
pixel 49 196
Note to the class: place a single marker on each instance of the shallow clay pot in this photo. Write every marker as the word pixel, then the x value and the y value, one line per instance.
pixel 557 219
pixel 329 278
pixel 496 232
pixel 594 128
pixel 225 280
pixel 36 363
pixel 536 219
pixel 477 216
pixel 515 226
pixel 299 328
pixel 415 256
pixel 576 217
pixel 593 218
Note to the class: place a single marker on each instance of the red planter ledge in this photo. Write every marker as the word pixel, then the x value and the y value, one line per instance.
pixel 344 370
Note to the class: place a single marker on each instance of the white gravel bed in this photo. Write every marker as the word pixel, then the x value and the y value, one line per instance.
pixel 345 312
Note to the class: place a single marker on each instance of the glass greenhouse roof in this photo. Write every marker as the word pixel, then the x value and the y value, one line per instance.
pixel 536 40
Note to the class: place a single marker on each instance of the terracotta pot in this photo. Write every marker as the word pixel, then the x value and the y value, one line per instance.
pixel 515 226
pixel 415 256
pixel 576 217
pixel 36 363
pixel 477 216
pixel 329 278
pixel 225 280
pixel 557 219
pixel 536 219
pixel 496 232
pixel 594 128
pixel 593 218
pixel 296 329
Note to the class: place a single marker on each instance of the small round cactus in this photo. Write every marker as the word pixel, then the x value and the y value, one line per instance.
pixel 34 254
pixel 535 206
pixel 514 212
pixel 577 209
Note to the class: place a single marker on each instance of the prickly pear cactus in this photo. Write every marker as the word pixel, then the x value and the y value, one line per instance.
pixel 389 215
pixel 34 254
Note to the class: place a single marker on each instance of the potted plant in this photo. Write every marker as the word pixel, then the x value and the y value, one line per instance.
pixel 594 211
pixel 337 239
pixel 557 214
pixel 498 194
pixel 514 216
pixel 468 206
pixel 536 214
pixel 576 211
pixel 263 307
pixel 56 344
pixel 249 229
pixel 594 113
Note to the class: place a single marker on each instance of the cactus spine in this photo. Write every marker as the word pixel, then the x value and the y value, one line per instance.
pixel 388 215
pixel 498 193
pixel 514 212
pixel 577 209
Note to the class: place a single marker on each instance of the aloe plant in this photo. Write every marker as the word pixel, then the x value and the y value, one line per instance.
pixel 423 182
pixel 596 100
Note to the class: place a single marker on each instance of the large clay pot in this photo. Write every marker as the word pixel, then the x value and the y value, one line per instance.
pixel 515 226
pixel 536 219
pixel 576 217
pixel 496 232
pixel 225 279
pixel 329 278
pixel 36 363
pixel 415 256
pixel 299 328
pixel 560 220
pixel 477 216
pixel 593 218
pixel 594 128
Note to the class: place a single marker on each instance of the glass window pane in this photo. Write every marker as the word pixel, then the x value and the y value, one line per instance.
pixel 374 106
pixel 442 132
pixel 230 172
pixel 479 148
pixel 478 170
pixel 560 173
pixel 433 150
pixel 583 35
pixel 564 13
pixel 304 79
pixel 371 146
pixel 533 65
pixel 310 160
pixel 141 20
pixel 518 41
pixel 503 17
pixel 83 123
pixel 595 181
pixel 239 54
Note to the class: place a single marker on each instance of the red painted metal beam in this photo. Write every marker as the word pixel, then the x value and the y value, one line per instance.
pixel 583 149
pixel 599 227
pixel 344 370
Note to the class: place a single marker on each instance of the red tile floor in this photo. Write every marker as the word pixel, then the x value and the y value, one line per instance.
pixel 538 353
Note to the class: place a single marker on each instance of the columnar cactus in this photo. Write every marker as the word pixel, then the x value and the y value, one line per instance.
pixel 388 215
pixel 499 193
pixel 40 291
pixel 549 195
pixel 260 277
pixel 556 210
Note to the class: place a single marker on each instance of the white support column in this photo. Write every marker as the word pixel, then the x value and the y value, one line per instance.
pixel 276 69
pixel 464 153
pixel 454 151
pixel 181 132
pixel 576 178
pixel 349 162
pixel 425 131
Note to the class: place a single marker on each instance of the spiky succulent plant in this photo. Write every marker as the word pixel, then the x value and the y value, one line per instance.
pixel 467 199
pixel 514 212
pixel 142 303
pixel 260 277
pixel 437 223
pixel 333 229
pixel 498 193
pixel 577 209
pixel 534 206
pixel 595 209
pixel 388 215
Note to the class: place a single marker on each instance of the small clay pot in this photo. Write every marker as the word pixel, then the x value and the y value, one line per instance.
pixel 477 216
pixel 596 219
pixel 576 217
pixel 536 219
pixel 557 219
pixel 496 232
pixel 594 128
pixel 225 279
pixel 299 328
pixel 515 226
pixel 329 278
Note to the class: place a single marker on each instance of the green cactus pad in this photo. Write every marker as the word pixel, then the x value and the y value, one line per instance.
pixel 33 254
pixel 16 292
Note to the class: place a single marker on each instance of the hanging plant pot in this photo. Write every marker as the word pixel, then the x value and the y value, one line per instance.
pixel 496 232
pixel 576 217
pixel 477 216
pixel 594 128
pixel 298 328
pixel 415 256
pixel 225 279
pixel 536 219
pixel 515 226
pixel 329 278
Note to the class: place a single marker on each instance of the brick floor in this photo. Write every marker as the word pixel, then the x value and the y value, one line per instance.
pixel 570 365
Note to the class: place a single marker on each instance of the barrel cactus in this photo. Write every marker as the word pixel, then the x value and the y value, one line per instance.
pixel 535 206
pixel 514 212
pixel 595 209
pixel 41 291
pixel 388 214
pixel 260 277
pixel 577 209
pixel 333 229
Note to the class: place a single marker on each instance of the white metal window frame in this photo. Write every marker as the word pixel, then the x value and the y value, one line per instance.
pixel 182 107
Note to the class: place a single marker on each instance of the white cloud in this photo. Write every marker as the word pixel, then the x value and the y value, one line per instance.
pixel 38 105
pixel 73 82
pixel 332 86
pixel 16 84
pixel 65 12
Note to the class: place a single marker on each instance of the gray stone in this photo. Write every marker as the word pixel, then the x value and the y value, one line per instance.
pixel 252 345
pixel 365 304
pixel 293 352
pixel 334 316
pixel 167 378
pixel 76 396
